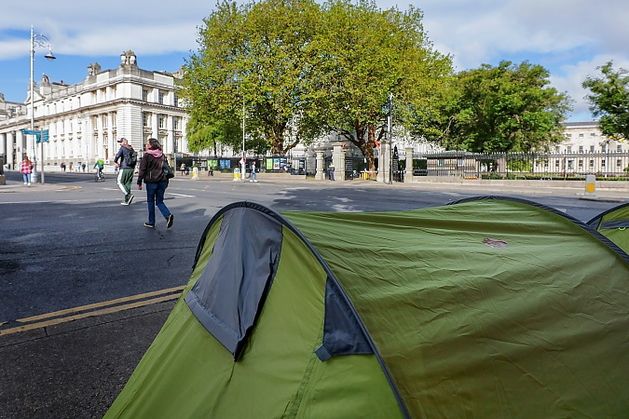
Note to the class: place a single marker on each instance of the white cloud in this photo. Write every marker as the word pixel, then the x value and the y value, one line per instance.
pixel 570 37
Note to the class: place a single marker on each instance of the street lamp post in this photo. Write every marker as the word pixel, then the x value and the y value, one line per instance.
pixel 41 41
pixel 242 161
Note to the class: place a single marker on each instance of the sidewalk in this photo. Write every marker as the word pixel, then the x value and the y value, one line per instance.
pixel 613 191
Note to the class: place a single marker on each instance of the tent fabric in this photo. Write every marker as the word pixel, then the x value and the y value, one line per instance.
pixel 342 334
pixel 236 278
pixel 614 224
pixel 487 308
pixel 187 373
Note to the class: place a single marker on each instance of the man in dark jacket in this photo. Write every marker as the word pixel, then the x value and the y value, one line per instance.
pixel 125 160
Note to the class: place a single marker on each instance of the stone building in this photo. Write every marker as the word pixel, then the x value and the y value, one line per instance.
pixel 85 120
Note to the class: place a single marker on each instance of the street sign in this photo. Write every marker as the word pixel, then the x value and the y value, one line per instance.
pixel 40 135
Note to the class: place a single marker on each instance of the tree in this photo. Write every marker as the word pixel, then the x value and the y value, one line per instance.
pixel 610 100
pixel 503 108
pixel 253 57
pixel 360 55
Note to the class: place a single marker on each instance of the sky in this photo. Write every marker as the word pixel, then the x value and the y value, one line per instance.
pixel 570 38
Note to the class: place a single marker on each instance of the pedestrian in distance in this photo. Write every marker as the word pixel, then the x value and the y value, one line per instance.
pixel 331 172
pixel 125 160
pixel 152 174
pixel 99 166
pixel 26 168
pixel 252 176
pixel 83 166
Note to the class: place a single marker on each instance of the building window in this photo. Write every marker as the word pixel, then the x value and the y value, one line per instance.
pixel 95 123
pixel 591 163
pixel 580 149
pixel 177 122
pixel 556 149
pixel 580 163
pixel 557 164
pixel 161 96
pixel 104 120
pixel 619 163
pixel 591 149
pixel 162 121
pixel 603 163
pixel 570 164
pixel 145 95
pixel 114 116
pixel 176 99
pixel 569 149
pixel 581 135
pixel 146 119
pixel 592 134
pixel 619 148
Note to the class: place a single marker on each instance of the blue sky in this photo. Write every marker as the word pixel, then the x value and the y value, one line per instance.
pixel 571 38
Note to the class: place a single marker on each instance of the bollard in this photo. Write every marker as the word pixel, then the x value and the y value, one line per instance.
pixel 236 175
pixel 590 185
pixel 195 173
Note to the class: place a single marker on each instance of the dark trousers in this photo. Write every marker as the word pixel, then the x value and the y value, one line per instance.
pixel 155 196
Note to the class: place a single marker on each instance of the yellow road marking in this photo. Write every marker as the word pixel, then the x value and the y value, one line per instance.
pixel 94 313
pixel 101 304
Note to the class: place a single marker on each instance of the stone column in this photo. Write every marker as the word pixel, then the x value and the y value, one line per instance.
pixel 338 159
pixel 154 125
pixel 320 174
pixel 384 162
pixel 3 145
pixel 408 175
pixel 21 145
pixel 10 148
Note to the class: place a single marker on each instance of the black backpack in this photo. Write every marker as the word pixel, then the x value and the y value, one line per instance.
pixel 166 169
pixel 132 158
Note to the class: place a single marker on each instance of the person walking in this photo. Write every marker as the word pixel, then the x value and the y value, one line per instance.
pixel 125 160
pixel 252 176
pixel 151 173
pixel 26 168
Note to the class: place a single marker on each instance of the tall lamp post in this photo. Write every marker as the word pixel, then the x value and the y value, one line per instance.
pixel 242 161
pixel 37 40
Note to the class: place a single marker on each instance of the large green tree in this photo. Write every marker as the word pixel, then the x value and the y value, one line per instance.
pixel 252 59
pixel 609 99
pixel 501 108
pixel 360 55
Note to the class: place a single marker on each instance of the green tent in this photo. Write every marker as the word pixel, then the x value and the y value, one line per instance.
pixel 614 224
pixel 487 308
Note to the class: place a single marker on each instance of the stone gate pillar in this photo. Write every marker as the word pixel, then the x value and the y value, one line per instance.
pixel 320 173
pixel 408 174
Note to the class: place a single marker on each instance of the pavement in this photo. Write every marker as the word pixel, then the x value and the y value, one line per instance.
pixel 606 191
pixel 114 335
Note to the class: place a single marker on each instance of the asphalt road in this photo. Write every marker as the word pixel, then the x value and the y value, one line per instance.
pixel 75 245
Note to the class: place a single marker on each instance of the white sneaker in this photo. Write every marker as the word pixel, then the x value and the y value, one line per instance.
pixel 25 183
pixel 29 183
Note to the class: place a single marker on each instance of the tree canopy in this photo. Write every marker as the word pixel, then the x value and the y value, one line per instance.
pixel 300 70
pixel 508 107
pixel 609 99
pixel 360 56
pixel 251 59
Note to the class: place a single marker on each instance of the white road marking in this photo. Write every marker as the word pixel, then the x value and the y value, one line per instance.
pixel 180 194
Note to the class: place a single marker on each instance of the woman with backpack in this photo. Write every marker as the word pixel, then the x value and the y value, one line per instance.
pixel 152 167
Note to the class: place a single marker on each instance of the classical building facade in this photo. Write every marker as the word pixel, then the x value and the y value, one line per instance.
pixel 85 120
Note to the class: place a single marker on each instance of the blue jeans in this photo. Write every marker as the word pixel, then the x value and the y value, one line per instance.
pixel 155 196
pixel 26 177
